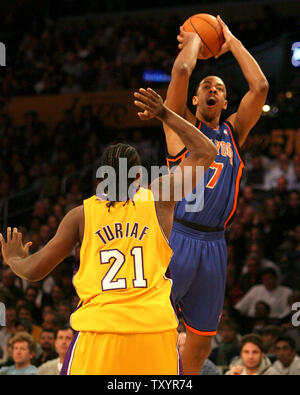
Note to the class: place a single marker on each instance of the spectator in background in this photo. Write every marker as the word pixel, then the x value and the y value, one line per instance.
pixel 256 175
pixel 70 86
pixel 63 339
pixel 64 308
pixel 265 263
pixel 289 255
pixel 25 312
pixel 283 168
pixel 53 320
pixel 269 335
pixel 287 362
pixel 48 319
pixel 46 342
pixel 8 330
pixel 252 360
pixel 270 292
pixel 251 273
pixel 260 320
pixel 23 325
pixel 55 297
pixel 30 296
pixel 290 217
pixel 23 351
pixel 6 359
pixel 229 346
pixel 236 237
pixel 295 184
pixel 8 288
pixel 281 192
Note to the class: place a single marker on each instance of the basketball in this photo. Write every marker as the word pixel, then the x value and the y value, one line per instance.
pixel 209 30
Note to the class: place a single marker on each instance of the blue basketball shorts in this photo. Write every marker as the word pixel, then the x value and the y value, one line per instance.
pixel 198 271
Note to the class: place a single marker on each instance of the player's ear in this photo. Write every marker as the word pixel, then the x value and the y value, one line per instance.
pixel 225 105
pixel 195 100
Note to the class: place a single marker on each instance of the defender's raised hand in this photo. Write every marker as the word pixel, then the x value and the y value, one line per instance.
pixel 13 247
pixel 150 102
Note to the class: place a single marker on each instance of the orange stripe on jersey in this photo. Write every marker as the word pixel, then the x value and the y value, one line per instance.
pixel 238 178
pixel 237 184
pixel 229 128
pixel 203 333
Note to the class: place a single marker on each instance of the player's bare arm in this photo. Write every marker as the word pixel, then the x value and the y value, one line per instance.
pixel 250 108
pixel 36 266
pixel 202 153
pixel 177 93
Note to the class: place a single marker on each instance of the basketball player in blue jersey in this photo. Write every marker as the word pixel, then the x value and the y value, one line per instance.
pixel 199 262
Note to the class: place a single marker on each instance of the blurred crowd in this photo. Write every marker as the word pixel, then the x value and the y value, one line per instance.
pixel 52 169
pixel 48 56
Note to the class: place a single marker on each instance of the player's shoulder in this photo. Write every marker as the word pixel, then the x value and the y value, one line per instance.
pixel 76 211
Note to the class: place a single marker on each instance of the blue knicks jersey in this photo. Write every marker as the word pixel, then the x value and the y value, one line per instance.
pixel 221 181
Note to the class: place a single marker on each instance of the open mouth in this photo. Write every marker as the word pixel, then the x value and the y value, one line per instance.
pixel 211 101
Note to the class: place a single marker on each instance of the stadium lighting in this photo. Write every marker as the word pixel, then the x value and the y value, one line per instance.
pixel 266 108
pixel 295 60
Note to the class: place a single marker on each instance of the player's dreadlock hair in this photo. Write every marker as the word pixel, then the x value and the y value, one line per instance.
pixel 110 157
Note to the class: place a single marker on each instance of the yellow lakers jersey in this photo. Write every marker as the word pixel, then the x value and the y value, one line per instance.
pixel 121 280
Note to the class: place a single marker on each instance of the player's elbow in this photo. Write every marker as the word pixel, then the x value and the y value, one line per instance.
pixel 206 158
pixel 181 69
pixel 31 275
pixel 262 86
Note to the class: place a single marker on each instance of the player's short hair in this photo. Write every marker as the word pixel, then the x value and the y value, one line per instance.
pixel 198 85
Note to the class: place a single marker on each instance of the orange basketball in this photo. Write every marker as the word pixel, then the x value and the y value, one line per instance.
pixel 209 30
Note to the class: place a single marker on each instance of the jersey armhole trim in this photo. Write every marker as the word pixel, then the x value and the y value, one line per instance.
pixel 164 237
pixel 174 160
pixel 233 135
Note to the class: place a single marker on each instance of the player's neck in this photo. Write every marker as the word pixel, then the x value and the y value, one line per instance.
pixel 212 123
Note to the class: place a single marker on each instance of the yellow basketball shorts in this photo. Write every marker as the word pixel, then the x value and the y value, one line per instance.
pixel 94 353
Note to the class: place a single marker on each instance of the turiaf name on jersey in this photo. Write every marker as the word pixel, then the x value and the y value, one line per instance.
pixel 119 230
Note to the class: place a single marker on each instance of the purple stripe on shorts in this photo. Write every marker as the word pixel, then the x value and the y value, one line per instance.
pixel 180 365
pixel 169 275
pixel 67 360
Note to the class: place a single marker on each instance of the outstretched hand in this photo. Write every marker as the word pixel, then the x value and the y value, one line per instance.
pixel 228 36
pixel 13 247
pixel 150 102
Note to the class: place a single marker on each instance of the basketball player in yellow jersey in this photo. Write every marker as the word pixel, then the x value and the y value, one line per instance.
pixel 125 322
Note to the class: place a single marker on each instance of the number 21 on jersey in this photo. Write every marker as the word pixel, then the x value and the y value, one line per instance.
pixel 110 282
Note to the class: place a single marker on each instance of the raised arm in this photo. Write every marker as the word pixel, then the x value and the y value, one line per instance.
pixel 36 266
pixel 250 108
pixel 202 152
pixel 177 93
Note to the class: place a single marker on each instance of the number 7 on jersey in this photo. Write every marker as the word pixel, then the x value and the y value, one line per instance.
pixel 217 167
